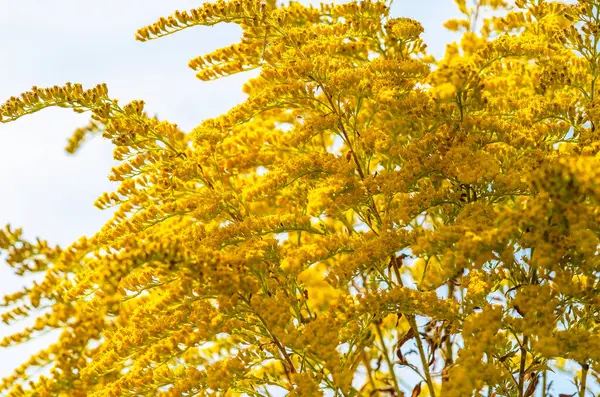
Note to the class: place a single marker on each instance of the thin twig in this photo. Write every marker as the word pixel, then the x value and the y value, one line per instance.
pixel 388 360
pixel 522 366
pixel 584 371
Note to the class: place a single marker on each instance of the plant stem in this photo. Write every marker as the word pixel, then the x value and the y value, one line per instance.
pixel 368 367
pixel 544 386
pixel 413 324
pixel 584 372
pixel 449 355
pixel 388 360
pixel 522 366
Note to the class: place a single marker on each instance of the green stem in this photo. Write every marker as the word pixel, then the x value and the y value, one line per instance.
pixel 413 324
pixel 584 372
pixel 368 368
pixel 522 366
pixel 544 384
pixel 388 360
pixel 449 353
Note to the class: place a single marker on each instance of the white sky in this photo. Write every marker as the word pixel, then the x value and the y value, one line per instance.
pixel 45 43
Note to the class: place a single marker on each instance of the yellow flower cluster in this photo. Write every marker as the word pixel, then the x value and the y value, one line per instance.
pixel 368 215
pixel 70 95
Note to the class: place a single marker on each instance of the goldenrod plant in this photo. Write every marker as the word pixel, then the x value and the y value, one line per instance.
pixel 370 221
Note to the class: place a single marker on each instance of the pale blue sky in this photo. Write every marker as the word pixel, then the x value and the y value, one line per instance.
pixel 45 43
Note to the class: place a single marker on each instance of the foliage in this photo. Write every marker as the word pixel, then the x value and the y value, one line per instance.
pixel 370 221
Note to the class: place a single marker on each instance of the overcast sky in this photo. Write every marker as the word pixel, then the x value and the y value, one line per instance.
pixel 46 43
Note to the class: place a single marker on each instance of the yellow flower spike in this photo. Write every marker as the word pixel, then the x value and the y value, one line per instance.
pixel 361 186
